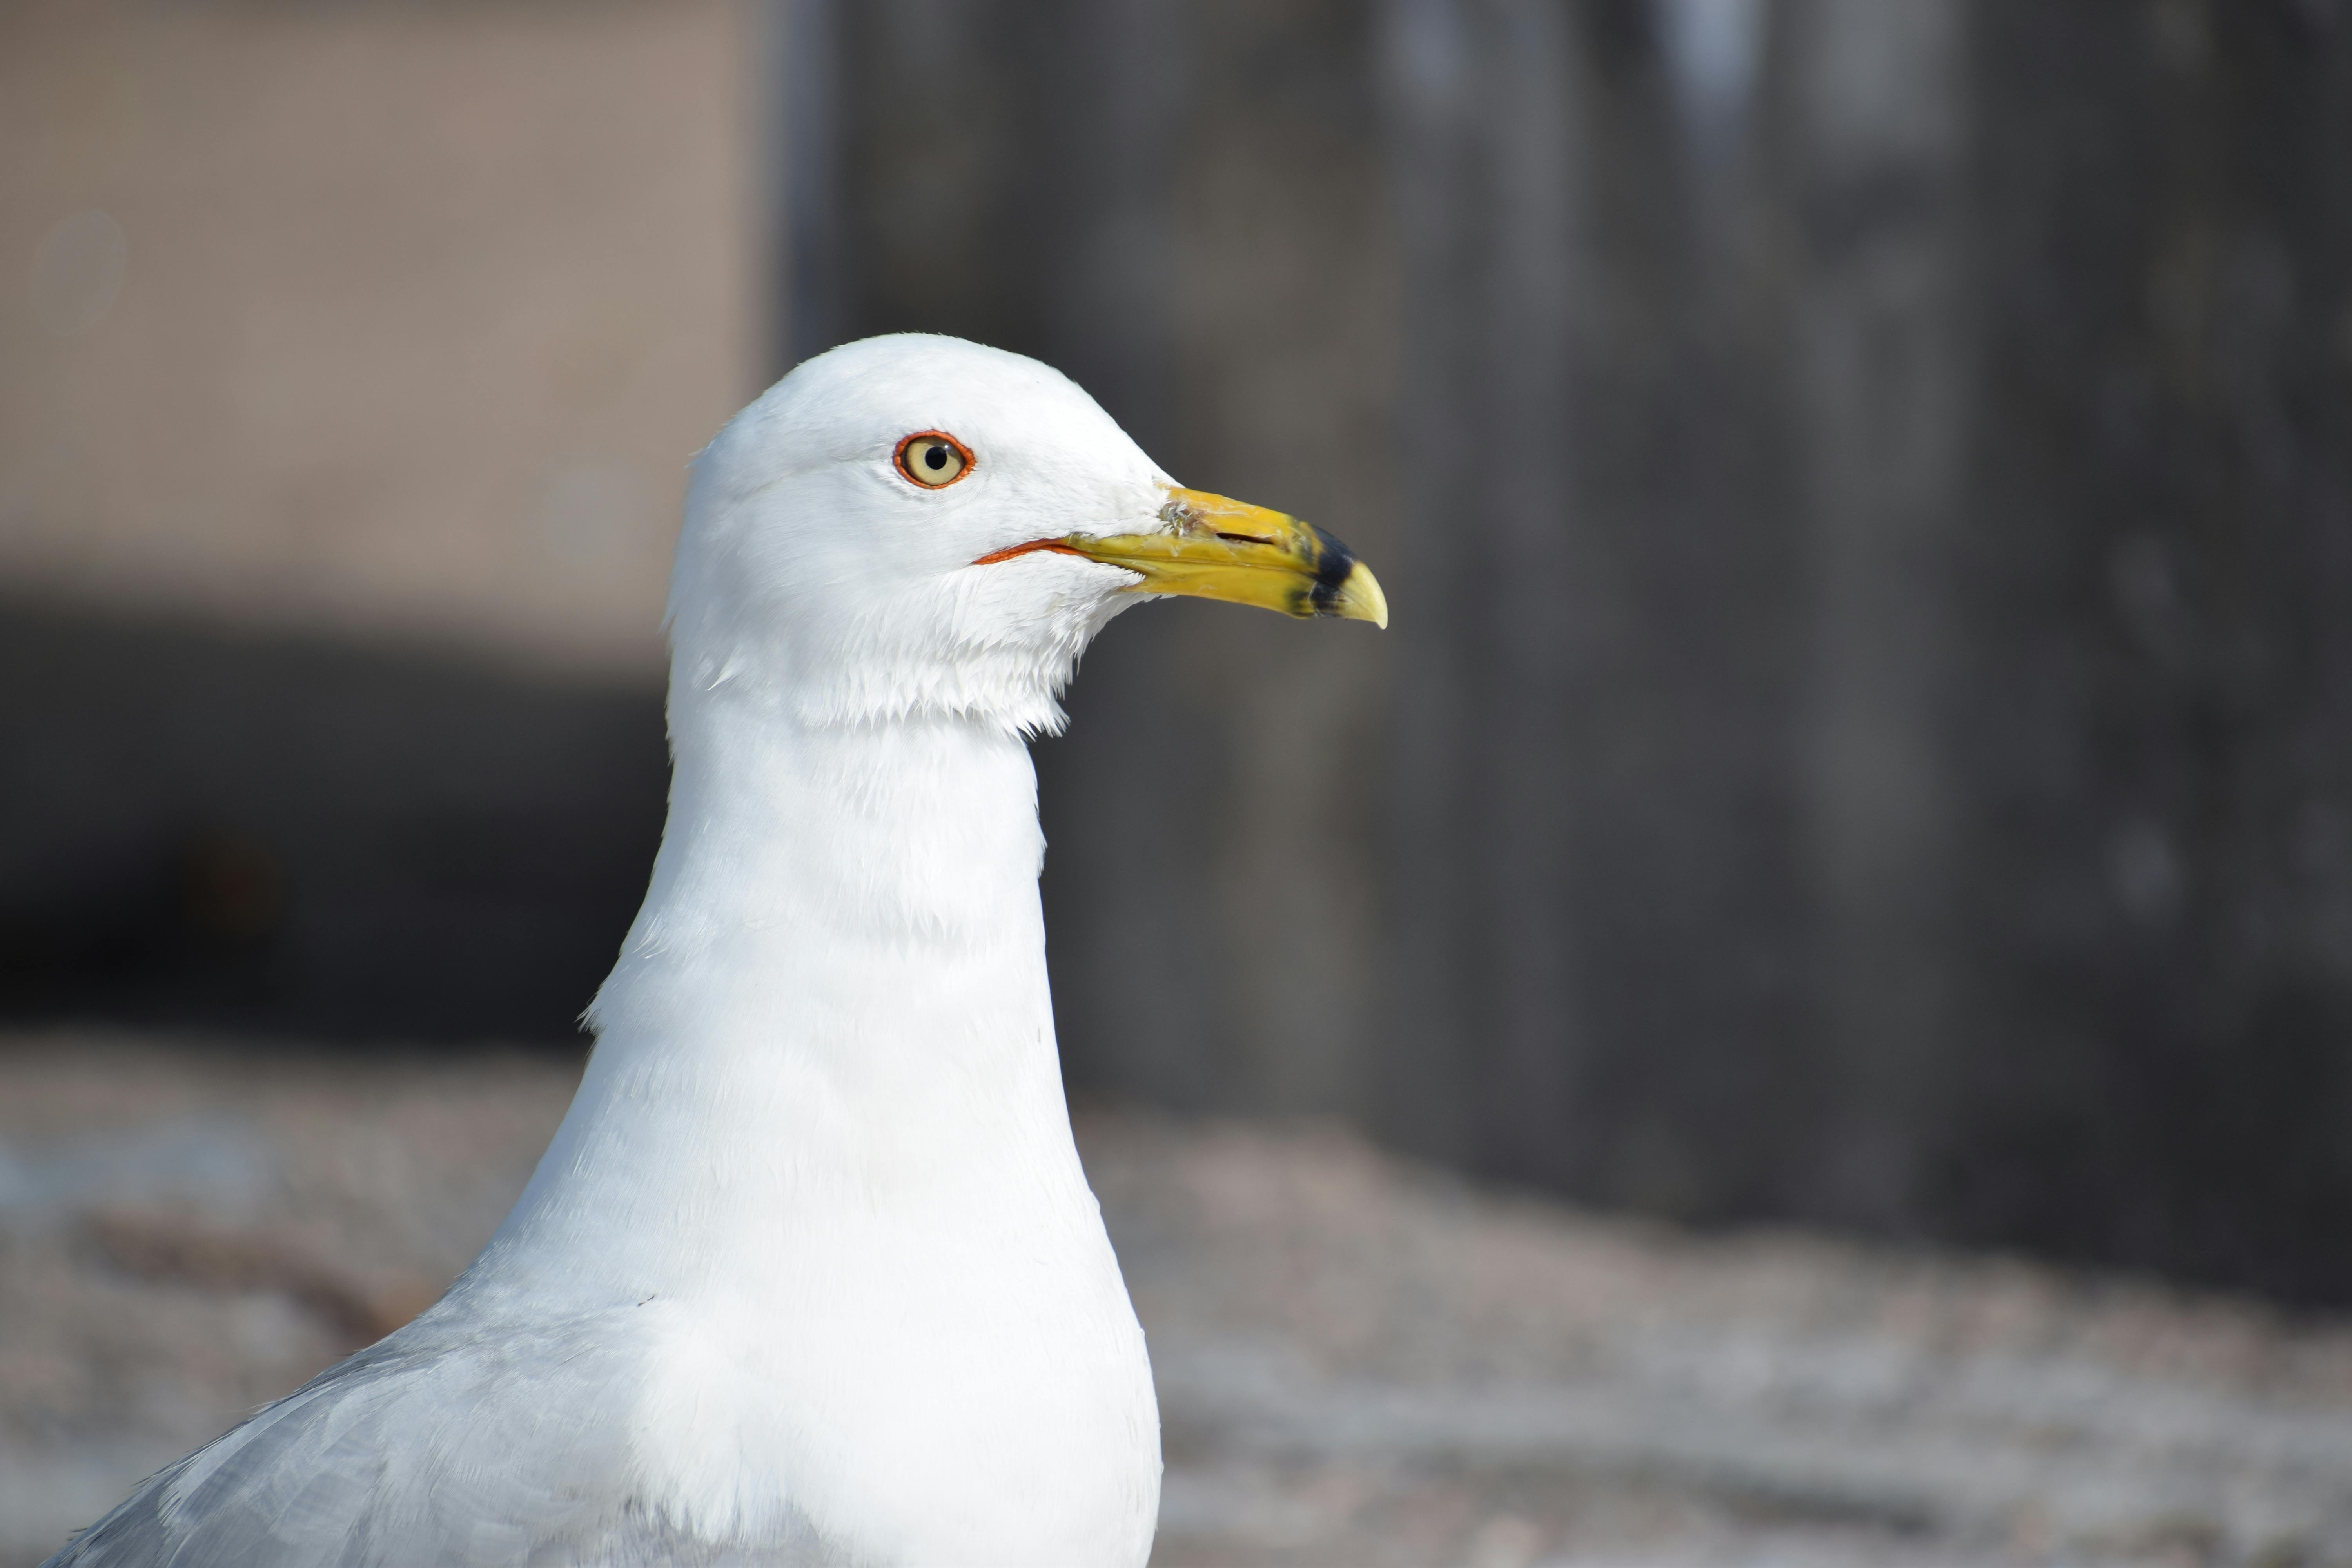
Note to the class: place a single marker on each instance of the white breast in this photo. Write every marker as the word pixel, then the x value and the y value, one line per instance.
pixel 824 1157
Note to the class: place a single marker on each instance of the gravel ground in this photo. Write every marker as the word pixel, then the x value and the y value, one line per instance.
pixel 1361 1361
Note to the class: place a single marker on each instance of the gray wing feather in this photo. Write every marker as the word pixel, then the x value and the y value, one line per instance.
pixel 474 1450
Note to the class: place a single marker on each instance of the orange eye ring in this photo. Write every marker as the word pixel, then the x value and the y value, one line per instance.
pixel 932 458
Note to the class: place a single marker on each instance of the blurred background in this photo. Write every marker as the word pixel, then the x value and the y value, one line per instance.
pixel 1865 486
pixel 1867 733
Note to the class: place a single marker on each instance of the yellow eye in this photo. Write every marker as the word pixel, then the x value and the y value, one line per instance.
pixel 933 458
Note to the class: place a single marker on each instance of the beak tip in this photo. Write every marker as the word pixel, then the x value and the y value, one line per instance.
pixel 1360 598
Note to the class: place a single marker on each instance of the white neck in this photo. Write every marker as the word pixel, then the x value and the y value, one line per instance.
pixel 819 1180
pixel 834 997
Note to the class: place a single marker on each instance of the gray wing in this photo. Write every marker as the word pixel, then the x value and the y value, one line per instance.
pixel 469 1449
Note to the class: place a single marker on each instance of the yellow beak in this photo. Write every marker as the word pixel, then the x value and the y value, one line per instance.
pixel 1221 549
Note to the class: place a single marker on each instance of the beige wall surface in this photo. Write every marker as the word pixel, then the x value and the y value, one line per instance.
pixel 388 321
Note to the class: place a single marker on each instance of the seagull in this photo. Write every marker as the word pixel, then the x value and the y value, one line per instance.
pixel 810 1274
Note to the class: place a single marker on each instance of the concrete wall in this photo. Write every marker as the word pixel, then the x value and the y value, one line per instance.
pixel 350 361
pixel 374 321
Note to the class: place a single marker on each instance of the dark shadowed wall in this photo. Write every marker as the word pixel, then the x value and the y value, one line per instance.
pixel 1862 486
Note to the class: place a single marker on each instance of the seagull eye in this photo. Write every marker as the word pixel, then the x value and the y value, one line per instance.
pixel 933 458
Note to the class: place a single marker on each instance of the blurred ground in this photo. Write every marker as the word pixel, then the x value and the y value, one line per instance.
pixel 1362 1363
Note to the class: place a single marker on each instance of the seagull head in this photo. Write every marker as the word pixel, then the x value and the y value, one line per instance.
pixel 916 525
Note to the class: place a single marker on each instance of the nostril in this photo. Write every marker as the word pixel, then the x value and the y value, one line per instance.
pixel 1245 538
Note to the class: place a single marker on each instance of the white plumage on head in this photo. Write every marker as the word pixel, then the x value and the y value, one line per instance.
pixel 810 568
